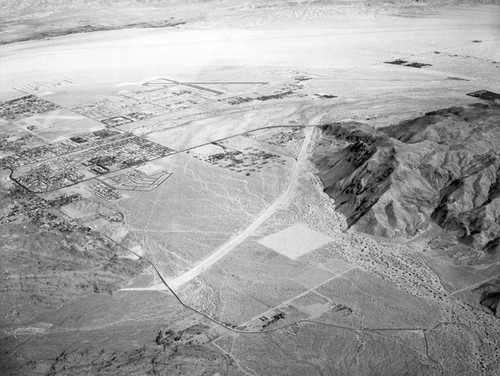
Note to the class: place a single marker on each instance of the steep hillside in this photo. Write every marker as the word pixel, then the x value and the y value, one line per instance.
pixel 443 167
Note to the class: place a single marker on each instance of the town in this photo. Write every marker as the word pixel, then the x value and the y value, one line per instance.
pixel 84 165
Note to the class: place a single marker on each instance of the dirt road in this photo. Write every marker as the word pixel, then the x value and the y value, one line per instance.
pixel 239 238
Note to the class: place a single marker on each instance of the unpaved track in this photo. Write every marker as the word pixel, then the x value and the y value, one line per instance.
pixel 281 201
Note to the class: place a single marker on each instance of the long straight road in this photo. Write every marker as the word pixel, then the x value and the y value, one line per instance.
pixel 240 237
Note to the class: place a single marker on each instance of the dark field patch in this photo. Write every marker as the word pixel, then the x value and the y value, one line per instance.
pixel 485 94
pixel 406 63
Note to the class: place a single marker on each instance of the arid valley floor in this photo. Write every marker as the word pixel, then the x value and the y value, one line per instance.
pixel 249 188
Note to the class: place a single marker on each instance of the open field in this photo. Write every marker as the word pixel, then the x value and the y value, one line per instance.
pixel 59 125
pixel 194 210
pixel 295 241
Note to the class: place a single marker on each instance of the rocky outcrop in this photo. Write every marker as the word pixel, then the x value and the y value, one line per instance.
pixel 490 296
pixel 442 167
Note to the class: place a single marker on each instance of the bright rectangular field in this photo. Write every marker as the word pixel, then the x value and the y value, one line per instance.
pixel 295 241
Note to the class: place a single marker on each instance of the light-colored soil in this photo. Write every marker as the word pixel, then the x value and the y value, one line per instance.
pixel 295 241
pixel 264 252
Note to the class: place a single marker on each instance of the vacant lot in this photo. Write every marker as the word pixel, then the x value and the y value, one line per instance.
pixel 295 241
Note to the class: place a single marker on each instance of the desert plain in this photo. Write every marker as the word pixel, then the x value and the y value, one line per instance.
pixel 250 188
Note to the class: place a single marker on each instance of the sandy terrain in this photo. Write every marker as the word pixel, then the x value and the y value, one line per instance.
pixel 181 226
pixel 295 241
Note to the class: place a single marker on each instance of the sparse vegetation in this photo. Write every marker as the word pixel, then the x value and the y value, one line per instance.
pixel 160 206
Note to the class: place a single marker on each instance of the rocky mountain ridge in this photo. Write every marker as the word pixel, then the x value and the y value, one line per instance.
pixel 442 168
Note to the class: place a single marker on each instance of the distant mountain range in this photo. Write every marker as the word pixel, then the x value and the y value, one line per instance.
pixel 23 20
pixel 33 6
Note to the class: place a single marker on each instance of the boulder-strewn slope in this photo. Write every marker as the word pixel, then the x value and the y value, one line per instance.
pixel 443 167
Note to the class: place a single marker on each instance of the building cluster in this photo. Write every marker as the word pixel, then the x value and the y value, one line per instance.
pixel 37 210
pixel 128 176
pixel 247 161
pixel 267 319
pixel 103 108
pixel 34 209
pixel 14 143
pixel 289 91
pixel 24 107
pixel 116 110
pixel 166 96
pixel 49 176
pixel 116 121
pixel 271 318
pixel 105 191
pixel 57 149
pixel 127 107
pixel 285 137
pixel 121 154
pixel 73 168
pixel 64 199
pixel 140 115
